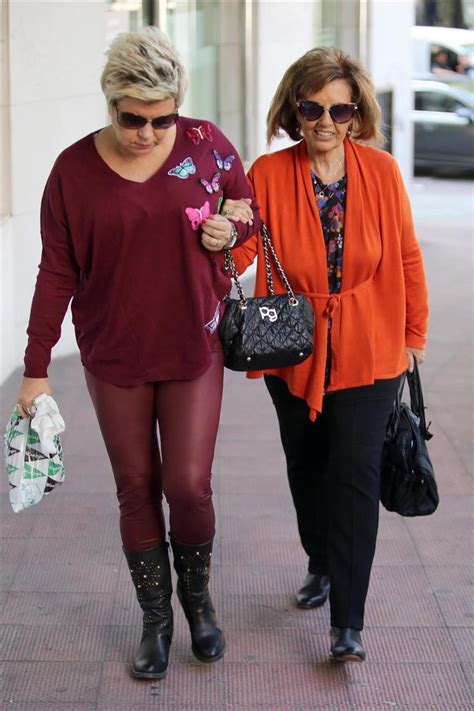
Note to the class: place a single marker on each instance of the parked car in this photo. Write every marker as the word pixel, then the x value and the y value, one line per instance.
pixel 444 126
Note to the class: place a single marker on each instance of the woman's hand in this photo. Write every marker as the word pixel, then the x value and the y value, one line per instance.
pixel 29 389
pixel 216 233
pixel 238 210
pixel 413 353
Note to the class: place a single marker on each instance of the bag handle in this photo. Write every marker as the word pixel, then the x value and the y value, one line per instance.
pixel 416 403
pixel 416 399
pixel 268 249
pixel 392 426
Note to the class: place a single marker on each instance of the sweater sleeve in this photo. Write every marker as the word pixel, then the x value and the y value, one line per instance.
pixel 414 274
pixel 246 253
pixel 56 282
pixel 237 187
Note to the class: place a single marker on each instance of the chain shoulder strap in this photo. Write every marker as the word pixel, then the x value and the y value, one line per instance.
pixel 229 265
pixel 268 249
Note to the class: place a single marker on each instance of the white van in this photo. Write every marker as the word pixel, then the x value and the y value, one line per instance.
pixel 429 40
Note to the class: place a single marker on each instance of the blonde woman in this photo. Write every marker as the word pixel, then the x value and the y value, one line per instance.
pixel 131 233
pixel 340 219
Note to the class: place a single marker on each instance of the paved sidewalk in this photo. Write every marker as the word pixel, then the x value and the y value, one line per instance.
pixel 69 621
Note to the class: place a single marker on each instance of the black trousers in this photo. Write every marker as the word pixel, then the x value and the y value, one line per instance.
pixel 334 475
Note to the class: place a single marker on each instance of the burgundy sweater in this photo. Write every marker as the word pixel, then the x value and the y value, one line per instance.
pixel 145 292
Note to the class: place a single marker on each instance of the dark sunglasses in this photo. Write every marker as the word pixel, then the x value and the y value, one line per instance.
pixel 312 111
pixel 128 120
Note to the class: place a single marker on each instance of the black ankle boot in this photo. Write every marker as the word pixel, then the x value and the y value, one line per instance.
pixel 192 563
pixel 151 575
pixel 314 591
pixel 346 645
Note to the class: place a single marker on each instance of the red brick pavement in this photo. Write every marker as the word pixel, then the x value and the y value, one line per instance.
pixel 69 621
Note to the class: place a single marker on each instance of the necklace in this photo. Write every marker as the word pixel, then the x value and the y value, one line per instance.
pixel 320 188
pixel 321 191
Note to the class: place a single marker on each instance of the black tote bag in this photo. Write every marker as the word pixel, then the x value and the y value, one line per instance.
pixel 408 484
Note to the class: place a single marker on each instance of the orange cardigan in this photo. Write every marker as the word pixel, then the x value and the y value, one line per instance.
pixel 382 307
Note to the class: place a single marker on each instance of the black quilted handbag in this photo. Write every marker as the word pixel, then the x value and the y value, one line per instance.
pixel 266 332
pixel 408 484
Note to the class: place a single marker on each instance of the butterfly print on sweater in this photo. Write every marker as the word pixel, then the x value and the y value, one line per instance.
pixel 211 186
pixel 200 133
pixel 184 169
pixel 198 215
pixel 223 163
pixel 211 325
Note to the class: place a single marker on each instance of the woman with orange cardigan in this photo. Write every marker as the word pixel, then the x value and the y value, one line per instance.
pixel 341 223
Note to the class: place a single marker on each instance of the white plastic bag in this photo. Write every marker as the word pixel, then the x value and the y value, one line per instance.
pixel 33 453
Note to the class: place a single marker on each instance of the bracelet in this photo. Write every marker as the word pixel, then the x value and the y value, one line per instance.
pixel 233 237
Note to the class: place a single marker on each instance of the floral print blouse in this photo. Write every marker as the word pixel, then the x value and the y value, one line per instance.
pixel 331 202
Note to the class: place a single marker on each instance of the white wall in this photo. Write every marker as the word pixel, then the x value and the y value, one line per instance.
pixel 56 51
pixel 389 59
pixel 284 31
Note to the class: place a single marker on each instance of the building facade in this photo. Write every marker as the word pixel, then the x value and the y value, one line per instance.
pixel 236 52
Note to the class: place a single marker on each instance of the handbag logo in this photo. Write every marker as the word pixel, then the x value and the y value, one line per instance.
pixel 265 312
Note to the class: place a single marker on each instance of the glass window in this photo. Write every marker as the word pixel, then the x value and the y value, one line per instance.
pixel 209 36
pixel 337 24
pixel 126 16
pixel 192 27
pixel 433 101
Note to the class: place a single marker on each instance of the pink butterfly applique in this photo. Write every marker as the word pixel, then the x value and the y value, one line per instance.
pixel 211 186
pixel 199 133
pixel 197 215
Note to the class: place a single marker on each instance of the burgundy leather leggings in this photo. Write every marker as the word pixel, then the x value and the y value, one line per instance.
pixel 187 412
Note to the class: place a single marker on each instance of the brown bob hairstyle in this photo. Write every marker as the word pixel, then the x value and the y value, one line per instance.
pixel 308 75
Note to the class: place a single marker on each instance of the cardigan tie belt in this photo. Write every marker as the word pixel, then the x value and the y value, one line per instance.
pixel 333 300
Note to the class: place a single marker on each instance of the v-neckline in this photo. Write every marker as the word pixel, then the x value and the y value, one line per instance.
pixel 153 175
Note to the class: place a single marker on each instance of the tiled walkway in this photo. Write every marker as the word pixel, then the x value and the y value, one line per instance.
pixel 70 623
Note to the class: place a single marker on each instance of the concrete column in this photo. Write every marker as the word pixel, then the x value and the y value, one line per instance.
pixel 389 59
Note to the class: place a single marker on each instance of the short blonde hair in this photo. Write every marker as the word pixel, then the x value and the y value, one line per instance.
pixel 308 75
pixel 143 65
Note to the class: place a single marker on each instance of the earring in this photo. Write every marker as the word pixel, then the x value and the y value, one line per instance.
pixel 349 131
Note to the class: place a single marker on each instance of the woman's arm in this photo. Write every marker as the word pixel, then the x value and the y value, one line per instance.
pixel 235 186
pixel 55 285
pixel 238 187
pixel 241 211
pixel 415 280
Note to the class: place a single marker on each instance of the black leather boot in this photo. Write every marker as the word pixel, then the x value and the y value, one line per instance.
pixel 346 645
pixel 192 563
pixel 314 591
pixel 151 575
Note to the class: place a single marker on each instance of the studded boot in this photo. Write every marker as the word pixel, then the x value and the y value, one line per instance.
pixel 151 575
pixel 192 564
